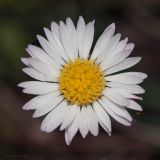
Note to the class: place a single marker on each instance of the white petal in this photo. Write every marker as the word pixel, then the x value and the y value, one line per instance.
pixel 73 35
pixel 49 35
pixel 47 47
pixel 37 87
pixel 92 121
pixel 36 83
pixel 73 128
pixel 66 41
pixel 103 41
pixel 134 105
pixel 43 67
pixel 83 127
pixel 29 84
pixel 45 109
pixel 80 33
pixel 41 55
pixel 88 39
pixel 67 139
pixel 58 50
pixel 56 34
pixel 120 47
pixel 112 25
pixel 39 76
pixel 115 97
pixel 30 53
pixel 110 62
pixel 126 93
pixel 136 74
pixel 114 115
pixel 69 117
pixel 135 89
pixel 107 52
pixel 102 117
pixel 117 109
pixel 124 79
pixel 130 46
pixel 41 100
pixel 25 61
pixel 55 117
pixel 127 63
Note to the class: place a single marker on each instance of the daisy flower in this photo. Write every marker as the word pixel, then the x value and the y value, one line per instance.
pixel 78 88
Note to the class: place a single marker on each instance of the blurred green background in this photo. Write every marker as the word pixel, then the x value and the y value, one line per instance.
pixel 20 135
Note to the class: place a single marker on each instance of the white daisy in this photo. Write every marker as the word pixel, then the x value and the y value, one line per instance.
pixel 77 88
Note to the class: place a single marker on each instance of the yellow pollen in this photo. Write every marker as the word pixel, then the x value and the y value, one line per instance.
pixel 81 82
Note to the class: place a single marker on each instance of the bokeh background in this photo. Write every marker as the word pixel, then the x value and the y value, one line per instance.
pixel 20 135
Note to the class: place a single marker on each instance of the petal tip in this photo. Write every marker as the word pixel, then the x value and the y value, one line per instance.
pixel 19 84
pixel 34 115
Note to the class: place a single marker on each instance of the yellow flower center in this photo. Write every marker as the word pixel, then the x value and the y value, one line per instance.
pixel 81 82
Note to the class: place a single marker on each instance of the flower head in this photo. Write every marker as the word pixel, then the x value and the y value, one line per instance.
pixel 78 88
